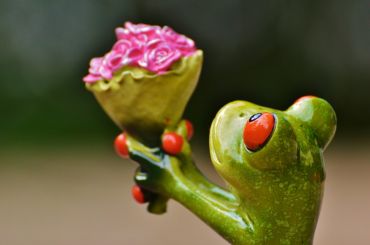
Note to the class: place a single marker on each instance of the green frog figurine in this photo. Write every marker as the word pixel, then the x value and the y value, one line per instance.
pixel 271 160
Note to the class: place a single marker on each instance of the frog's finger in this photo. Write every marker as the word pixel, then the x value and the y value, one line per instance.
pixel 172 143
pixel 157 203
pixel 149 178
pixel 142 154
pixel 189 129
pixel 184 128
pixel 141 195
pixel 176 146
pixel 141 177
pixel 175 140
pixel 120 145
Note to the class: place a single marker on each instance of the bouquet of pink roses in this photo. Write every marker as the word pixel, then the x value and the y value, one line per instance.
pixel 146 80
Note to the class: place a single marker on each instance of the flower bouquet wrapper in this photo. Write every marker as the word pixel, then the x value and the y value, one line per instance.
pixel 144 104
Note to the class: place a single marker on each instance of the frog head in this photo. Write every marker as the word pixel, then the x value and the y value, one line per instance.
pixel 262 152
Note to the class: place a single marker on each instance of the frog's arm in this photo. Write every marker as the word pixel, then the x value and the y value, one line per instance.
pixel 177 177
pixel 193 174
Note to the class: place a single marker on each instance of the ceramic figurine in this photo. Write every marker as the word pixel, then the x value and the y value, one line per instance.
pixel 271 160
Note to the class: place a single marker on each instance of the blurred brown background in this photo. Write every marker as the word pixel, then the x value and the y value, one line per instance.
pixel 60 181
pixel 82 197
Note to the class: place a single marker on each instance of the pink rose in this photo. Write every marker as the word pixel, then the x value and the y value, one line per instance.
pixel 122 46
pixel 95 64
pixel 114 60
pixel 132 51
pixel 91 78
pixel 150 47
pixel 105 72
pixel 135 56
pixel 142 28
pixel 160 55
pixel 94 74
pixel 186 45
pixel 99 69
pixel 122 34
pixel 141 33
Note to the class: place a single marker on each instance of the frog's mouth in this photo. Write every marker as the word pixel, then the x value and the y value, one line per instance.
pixel 226 131
pixel 215 158
pixel 216 144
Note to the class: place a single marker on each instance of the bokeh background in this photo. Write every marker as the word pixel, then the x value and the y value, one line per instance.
pixel 60 181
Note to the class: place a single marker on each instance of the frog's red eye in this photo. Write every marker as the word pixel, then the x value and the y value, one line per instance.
pixel 258 130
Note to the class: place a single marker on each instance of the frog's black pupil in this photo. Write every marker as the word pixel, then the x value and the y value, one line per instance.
pixel 255 117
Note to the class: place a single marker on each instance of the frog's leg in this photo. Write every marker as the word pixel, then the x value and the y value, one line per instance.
pixel 178 178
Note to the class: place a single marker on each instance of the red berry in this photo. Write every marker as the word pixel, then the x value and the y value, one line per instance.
pixel 138 194
pixel 172 143
pixel 304 98
pixel 189 129
pixel 120 144
pixel 258 130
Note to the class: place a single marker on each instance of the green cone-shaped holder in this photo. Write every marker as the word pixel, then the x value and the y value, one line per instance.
pixel 143 103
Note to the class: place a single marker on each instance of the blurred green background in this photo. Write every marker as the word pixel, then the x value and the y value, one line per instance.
pixel 60 182
pixel 268 52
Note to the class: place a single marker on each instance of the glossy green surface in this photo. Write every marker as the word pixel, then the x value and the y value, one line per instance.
pixel 274 193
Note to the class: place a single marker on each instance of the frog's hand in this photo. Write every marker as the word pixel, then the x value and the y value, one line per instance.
pixel 175 142
pixel 150 159
pixel 175 176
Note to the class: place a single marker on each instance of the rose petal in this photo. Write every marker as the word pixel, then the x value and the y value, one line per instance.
pixel 91 78
pixel 122 46
pixel 122 33
pixel 134 55
pixel 114 61
pixel 140 28
pixel 94 62
pixel 105 72
pixel 162 57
